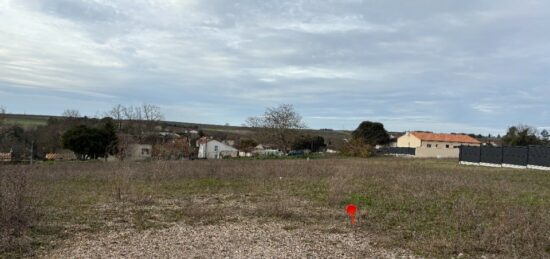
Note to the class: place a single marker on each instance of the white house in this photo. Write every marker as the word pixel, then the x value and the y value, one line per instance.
pixel 213 149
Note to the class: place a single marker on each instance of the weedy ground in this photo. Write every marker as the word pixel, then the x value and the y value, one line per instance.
pixel 433 208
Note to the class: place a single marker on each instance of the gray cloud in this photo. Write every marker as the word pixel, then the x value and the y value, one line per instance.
pixel 432 65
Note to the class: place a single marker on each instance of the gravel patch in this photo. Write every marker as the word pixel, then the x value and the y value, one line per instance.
pixel 228 240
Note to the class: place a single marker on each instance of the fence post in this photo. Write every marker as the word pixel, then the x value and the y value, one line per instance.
pixel 479 153
pixel 528 155
pixel 501 155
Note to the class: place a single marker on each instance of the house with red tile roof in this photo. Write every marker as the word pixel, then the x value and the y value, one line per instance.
pixel 430 144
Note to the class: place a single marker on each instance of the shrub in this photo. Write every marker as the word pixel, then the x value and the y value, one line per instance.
pixel 313 143
pixel 358 148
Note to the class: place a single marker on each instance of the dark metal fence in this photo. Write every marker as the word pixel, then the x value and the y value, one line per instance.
pixel 539 156
pixel 491 155
pixel 398 151
pixel 470 154
pixel 515 156
pixel 531 156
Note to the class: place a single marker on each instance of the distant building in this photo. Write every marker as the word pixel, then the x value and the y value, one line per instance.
pixel 6 157
pixel 393 139
pixel 63 154
pixel 331 151
pixel 244 154
pixel 213 149
pixel 169 134
pixel 267 152
pixel 439 145
pixel 137 152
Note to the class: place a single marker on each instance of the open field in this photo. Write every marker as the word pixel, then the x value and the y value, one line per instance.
pixel 262 208
pixel 26 121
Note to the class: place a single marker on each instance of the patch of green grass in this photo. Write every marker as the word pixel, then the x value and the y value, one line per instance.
pixel 25 122
pixel 360 200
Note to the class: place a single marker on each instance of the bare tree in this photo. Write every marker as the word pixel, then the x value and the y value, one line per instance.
pixel 133 116
pixel 2 114
pixel 132 113
pixel 279 124
pixel 151 112
pixel 254 122
pixel 71 113
pixel 128 113
pixel 139 117
pixel 146 112
pixel 117 113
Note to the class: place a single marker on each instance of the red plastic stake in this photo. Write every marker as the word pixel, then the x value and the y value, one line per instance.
pixel 351 209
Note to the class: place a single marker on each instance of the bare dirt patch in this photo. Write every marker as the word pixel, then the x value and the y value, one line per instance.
pixel 243 239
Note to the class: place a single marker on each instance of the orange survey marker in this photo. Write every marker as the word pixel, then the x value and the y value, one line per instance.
pixel 351 209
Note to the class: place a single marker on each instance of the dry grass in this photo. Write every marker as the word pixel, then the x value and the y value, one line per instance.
pixel 16 213
pixel 432 207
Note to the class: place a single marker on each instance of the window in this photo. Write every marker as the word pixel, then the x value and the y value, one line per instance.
pixel 436 145
pixel 447 146
pixel 145 151
pixel 216 148
pixel 429 145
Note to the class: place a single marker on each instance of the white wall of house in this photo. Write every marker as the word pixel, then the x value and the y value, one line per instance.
pixel 214 149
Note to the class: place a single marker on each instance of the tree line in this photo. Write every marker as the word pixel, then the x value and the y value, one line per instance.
pixel 523 135
pixel 281 126
pixel 86 137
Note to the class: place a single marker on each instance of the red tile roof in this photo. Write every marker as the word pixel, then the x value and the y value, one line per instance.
pixel 458 138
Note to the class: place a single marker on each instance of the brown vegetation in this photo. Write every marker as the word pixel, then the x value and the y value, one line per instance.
pixel 431 207
pixel 358 148
pixel 16 212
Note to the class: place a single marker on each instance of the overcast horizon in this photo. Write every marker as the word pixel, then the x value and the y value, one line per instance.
pixel 443 66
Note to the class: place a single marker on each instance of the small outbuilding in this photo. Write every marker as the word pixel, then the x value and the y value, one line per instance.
pixel 137 152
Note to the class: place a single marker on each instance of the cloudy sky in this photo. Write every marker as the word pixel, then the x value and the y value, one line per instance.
pixel 460 66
